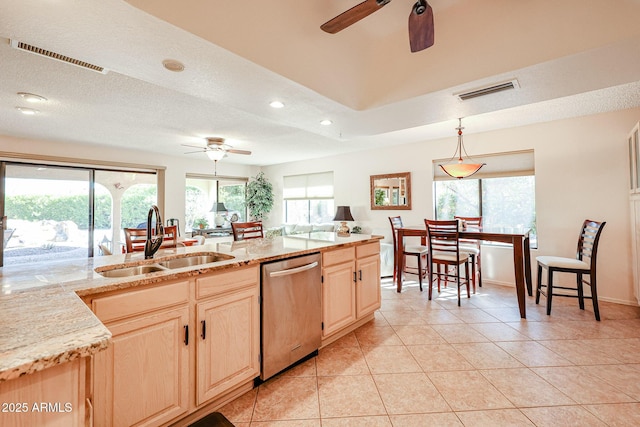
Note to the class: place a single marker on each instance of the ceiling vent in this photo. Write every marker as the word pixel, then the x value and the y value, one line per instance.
pixel 511 84
pixel 47 53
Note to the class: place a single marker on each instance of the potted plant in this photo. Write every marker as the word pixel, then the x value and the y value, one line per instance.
pixel 201 222
pixel 259 197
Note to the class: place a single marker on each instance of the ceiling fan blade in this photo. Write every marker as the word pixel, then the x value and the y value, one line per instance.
pixel 421 26
pixel 194 146
pixel 202 150
pixel 353 15
pixel 234 151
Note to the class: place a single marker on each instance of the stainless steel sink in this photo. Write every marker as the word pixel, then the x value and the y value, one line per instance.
pixel 185 261
pixel 131 271
pixel 190 261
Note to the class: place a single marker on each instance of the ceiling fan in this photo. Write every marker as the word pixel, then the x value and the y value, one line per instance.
pixel 420 21
pixel 216 149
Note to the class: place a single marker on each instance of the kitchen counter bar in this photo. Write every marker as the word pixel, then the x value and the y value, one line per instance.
pixel 43 322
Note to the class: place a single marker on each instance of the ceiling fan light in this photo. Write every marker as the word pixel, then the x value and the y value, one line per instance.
pixel 216 155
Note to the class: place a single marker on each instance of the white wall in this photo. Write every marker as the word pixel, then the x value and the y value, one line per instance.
pixel 175 172
pixel 581 172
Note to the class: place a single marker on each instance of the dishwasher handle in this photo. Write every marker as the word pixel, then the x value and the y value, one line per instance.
pixel 295 270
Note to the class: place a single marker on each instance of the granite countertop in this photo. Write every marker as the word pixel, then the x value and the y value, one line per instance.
pixel 43 321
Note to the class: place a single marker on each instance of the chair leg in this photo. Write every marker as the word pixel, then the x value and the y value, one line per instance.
pixel 473 271
pixel 580 291
pixel 549 291
pixel 430 279
pixel 445 283
pixel 420 271
pixel 458 282
pixel 594 296
pixel 466 276
pixel 539 284
pixel 479 267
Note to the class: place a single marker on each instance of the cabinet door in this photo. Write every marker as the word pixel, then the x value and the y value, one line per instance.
pixel 228 342
pixel 338 297
pixel 142 378
pixel 368 288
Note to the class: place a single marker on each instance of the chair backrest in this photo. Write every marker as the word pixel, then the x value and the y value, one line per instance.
pixel 246 230
pixel 170 236
pixel 588 242
pixel 442 236
pixel 396 221
pixel 134 235
pixel 471 223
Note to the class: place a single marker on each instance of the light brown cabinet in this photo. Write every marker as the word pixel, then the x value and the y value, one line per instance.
pixel 142 378
pixel 228 342
pixel 338 290
pixel 368 285
pixel 197 337
pixel 52 397
pixel 350 286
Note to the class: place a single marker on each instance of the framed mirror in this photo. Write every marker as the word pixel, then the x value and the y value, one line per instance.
pixel 391 191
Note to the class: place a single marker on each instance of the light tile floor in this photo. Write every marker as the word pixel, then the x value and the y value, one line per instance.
pixel 432 363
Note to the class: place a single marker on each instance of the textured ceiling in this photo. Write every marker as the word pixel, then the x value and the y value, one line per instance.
pixel 570 58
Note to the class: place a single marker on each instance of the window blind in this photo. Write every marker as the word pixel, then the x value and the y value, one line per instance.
pixel 308 186
pixel 513 163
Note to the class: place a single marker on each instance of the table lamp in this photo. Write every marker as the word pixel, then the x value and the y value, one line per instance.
pixel 219 209
pixel 343 214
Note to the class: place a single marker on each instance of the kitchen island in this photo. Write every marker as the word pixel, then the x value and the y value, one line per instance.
pixel 58 312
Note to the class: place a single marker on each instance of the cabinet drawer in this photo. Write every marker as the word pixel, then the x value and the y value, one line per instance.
pixel 368 249
pixel 338 256
pixel 135 302
pixel 227 281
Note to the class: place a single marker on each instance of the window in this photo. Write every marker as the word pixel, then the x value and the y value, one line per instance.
pixel 202 192
pixel 308 198
pixel 503 194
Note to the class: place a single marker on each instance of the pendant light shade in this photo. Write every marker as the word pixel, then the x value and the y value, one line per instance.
pixel 457 168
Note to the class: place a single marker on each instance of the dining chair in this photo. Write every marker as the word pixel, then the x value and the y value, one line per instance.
pixel 418 251
pixel 472 247
pixel 444 250
pixel 247 230
pixel 170 238
pixel 583 264
pixel 134 235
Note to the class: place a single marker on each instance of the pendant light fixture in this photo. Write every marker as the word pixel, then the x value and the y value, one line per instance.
pixel 460 169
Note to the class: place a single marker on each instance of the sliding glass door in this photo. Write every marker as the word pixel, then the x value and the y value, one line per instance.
pixel 48 213
pixel 62 212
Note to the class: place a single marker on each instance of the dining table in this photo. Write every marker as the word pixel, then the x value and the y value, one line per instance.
pixel 521 254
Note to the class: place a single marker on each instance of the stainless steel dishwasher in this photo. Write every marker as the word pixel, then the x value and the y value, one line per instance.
pixel 291 312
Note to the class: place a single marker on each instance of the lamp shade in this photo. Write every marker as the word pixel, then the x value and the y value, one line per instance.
pixel 216 155
pixel 343 214
pixel 218 207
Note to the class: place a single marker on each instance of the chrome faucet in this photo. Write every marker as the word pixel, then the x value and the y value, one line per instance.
pixel 153 242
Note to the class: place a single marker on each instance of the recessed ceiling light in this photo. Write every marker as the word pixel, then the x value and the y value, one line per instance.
pixel 173 65
pixel 32 97
pixel 326 122
pixel 27 111
pixel 276 104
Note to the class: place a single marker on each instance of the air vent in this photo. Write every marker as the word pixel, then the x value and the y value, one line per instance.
pixel 43 52
pixel 511 84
